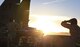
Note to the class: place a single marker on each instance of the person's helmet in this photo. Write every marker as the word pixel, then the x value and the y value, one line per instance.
pixel 73 21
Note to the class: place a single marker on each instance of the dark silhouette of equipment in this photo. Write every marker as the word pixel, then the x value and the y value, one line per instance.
pixel 17 11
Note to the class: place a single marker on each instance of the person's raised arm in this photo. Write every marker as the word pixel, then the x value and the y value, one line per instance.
pixel 66 24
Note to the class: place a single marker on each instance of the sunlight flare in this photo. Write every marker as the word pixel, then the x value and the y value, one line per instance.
pixel 48 24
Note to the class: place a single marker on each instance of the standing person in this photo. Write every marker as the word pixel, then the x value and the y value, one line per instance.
pixel 74 30
pixel 13 33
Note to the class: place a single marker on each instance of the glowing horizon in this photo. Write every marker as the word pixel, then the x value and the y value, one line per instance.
pixel 48 24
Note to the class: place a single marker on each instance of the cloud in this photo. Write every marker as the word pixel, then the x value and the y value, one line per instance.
pixel 48 2
pixel 53 1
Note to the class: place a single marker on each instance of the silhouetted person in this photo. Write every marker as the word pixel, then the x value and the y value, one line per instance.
pixel 13 33
pixel 74 30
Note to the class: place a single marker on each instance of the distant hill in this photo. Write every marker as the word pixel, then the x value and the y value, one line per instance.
pixel 59 33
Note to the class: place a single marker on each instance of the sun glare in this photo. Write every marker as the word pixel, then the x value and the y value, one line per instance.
pixel 48 24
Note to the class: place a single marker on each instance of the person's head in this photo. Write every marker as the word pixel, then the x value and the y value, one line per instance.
pixel 73 21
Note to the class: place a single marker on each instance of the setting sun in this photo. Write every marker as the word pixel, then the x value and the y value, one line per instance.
pixel 48 24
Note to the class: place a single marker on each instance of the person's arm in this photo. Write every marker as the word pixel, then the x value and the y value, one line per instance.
pixel 65 24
